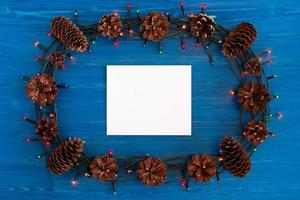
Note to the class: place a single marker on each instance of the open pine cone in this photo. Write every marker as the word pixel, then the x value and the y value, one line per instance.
pixel 65 156
pixel 155 26
pixel 256 132
pixel 46 129
pixel 253 97
pixel 104 168
pixel 252 67
pixel 69 34
pixel 110 25
pixel 42 89
pixel 239 40
pixel 202 26
pixel 201 168
pixel 234 157
pixel 152 171
pixel 57 59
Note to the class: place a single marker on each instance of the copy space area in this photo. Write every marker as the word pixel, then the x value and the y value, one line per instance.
pixel 148 100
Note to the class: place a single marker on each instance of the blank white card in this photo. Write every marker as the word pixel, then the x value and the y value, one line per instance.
pixel 148 100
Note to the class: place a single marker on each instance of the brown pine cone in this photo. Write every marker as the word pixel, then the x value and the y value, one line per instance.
pixel 104 168
pixel 239 40
pixel 252 67
pixel 110 25
pixel 154 26
pixel 253 97
pixel 69 34
pixel 41 89
pixel 234 157
pixel 256 132
pixel 202 168
pixel 65 156
pixel 152 171
pixel 202 26
pixel 46 129
pixel 57 59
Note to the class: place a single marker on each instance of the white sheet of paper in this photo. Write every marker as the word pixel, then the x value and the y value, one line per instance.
pixel 149 100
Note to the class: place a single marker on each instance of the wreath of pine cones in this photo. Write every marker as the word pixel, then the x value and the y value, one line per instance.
pixel 252 95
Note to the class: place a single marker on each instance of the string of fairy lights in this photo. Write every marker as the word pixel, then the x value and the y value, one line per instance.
pixel 130 31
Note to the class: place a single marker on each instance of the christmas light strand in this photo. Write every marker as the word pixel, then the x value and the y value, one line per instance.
pixel 62 154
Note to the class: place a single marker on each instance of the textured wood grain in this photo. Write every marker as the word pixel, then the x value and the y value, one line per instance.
pixel 82 107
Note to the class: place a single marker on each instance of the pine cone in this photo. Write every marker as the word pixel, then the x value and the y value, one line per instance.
pixel 42 89
pixel 65 156
pixel 234 157
pixel 239 40
pixel 201 168
pixel 252 67
pixel 152 171
pixel 57 59
pixel 69 34
pixel 256 132
pixel 202 26
pixel 46 129
pixel 253 97
pixel 155 26
pixel 110 25
pixel 104 168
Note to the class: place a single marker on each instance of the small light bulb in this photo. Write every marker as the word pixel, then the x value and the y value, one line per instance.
pixel 181 4
pixel 28 140
pixel 38 58
pixel 49 34
pixel 183 46
pixel 268 51
pixel 279 115
pixel 197 44
pixel 74 182
pixel 110 152
pixel 129 5
pixel 36 43
pixel 116 43
pixel 231 93
pixel 203 7
pixel 183 26
pixel 72 58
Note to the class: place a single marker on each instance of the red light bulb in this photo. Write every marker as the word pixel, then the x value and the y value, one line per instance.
pixel 129 5
pixel 36 43
pixel 279 115
pixel 72 58
pixel 183 46
pixel 28 140
pixel 110 152
pixel 74 182
pixel 181 4
pixel 116 43
pixel 268 51
pixel 47 143
pixel 183 182
pixel 197 44
pixel 49 34
pixel 38 58
pixel 231 93
pixel 270 61
pixel 203 6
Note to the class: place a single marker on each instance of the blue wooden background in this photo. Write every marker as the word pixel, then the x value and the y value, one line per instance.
pixel 275 165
